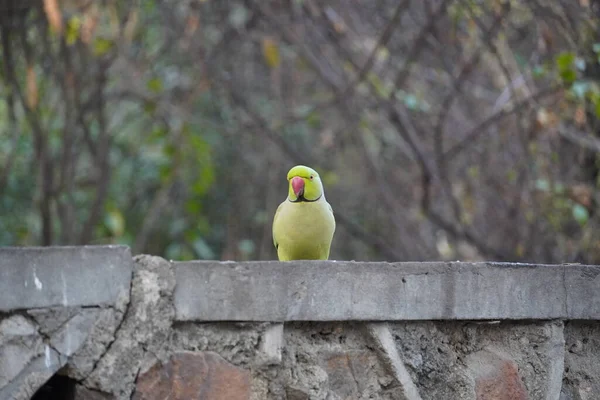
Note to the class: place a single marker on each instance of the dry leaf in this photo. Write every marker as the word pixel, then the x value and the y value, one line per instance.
pixel 580 117
pixel 114 20
pixel 520 250
pixel 271 52
pixel 54 15
pixel 582 194
pixel 90 21
pixel 338 23
pixel 32 88
pixel 546 119
pixel 192 24
pixel 130 26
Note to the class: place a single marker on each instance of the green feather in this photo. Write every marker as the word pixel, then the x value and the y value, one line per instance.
pixel 303 230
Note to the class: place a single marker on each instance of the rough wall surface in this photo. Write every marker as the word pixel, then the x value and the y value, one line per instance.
pixel 164 330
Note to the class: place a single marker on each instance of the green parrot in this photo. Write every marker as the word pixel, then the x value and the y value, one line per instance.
pixel 303 225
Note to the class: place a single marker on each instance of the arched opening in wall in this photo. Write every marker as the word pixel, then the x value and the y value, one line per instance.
pixel 58 387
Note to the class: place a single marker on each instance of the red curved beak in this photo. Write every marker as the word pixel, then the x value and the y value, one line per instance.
pixel 298 186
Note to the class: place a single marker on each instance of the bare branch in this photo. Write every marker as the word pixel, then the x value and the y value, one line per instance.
pixel 381 42
pixel 579 138
pixel 44 161
pixel 102 161
pixel 418 45
pixel 471 136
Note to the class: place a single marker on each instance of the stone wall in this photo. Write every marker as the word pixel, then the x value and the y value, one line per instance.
pixel 91 323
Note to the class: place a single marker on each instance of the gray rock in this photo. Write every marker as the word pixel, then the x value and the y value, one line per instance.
pixel 143 334
pixel 19 345
pixel 51 319
pixel 582 370
pixel 33 376
pixel 101 334
pixel 71 336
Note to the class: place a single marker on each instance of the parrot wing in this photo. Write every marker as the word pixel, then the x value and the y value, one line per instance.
pixel 274 223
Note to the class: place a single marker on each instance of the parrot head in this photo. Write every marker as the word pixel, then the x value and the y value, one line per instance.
pixel 304 184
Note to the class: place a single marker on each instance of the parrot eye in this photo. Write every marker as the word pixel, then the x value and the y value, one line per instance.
pixel 311 177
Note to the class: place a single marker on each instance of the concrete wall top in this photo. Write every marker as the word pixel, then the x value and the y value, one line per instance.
pixel 307 290
pixel 366 291
pixel 36 277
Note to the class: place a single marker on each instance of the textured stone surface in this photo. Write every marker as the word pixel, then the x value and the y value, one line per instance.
pixel 33 375
pixel 330 361
pixel 19 344
pixel 194 376
pixel 496 377
pixel 70 337
pixel 83 393
pixel 582 369
pixel 583 294
pixel 348 372
pixel 379 334
pixel 136 342
pixel 271 343
pixel 442 358
pixel 330 290
pixel 36 277
pixel 29 358
pixel 142 335
pixel 51 319
pixel 101 335
pixel 237 343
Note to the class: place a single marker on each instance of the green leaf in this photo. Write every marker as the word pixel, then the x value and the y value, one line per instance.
pixel 581 214
pixel 149 107
pixel 193 207
pixel 246 246
pixel 539 71
pixel 115 222
pixel 313 119
pixel 303 110
pixel 155 85
pixel 271 52
pixel 596 47
pixel 568 75
pixel 580 88
pixel 158 134
pixel 542 184
pixel 203 250
pixel 473 172
pixel 102 46
pixel 261 217
pixel 72 32
pixel 411 101
pixel 330 178
pixel 174 251
pixel 238 16
pixel 511 175
pixel 565 60
pixel 380 88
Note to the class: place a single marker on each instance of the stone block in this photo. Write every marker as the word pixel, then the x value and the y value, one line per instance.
pixel 496 377
pixel 194 376
pixel 343 290
pixel 36 277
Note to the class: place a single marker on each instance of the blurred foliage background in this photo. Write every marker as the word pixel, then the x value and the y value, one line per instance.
pixel 459 130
